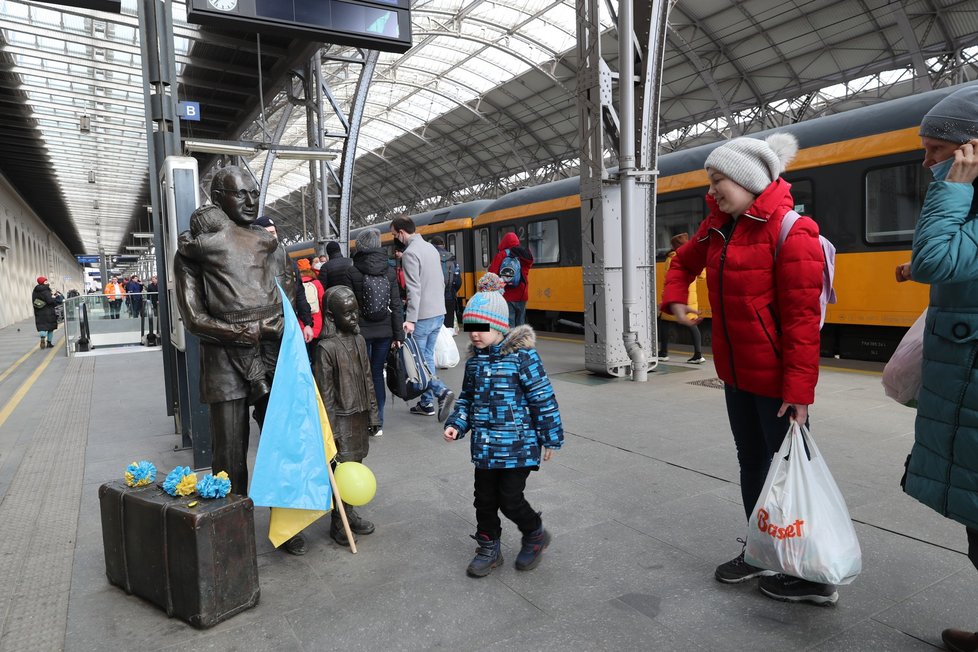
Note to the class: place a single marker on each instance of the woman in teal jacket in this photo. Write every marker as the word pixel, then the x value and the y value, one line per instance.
pixel 942 470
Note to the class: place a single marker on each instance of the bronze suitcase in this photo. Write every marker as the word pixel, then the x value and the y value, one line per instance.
pixel 197 563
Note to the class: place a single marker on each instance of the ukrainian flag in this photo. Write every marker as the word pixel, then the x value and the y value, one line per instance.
pixel 291 471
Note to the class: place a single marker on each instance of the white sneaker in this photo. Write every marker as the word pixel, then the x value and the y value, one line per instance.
pixel 379 433
pixel 696 359
pixel 663 358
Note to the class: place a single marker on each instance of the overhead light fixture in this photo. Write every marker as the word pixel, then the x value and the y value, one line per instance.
pixel 95 204
pixel 91 176
pixel 131 248
pixel 304 155
pixel 148 236
pixel 217 147
pixel 85 124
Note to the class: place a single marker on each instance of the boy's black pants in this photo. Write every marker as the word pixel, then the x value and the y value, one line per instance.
pixel 502 490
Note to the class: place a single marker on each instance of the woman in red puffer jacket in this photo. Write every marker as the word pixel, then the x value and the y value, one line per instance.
pixel 766 318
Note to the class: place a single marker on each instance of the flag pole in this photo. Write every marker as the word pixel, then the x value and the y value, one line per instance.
pixel 339 507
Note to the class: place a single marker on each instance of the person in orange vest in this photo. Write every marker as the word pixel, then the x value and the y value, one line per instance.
pixel 115 294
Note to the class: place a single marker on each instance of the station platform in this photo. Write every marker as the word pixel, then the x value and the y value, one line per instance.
pixel 642 501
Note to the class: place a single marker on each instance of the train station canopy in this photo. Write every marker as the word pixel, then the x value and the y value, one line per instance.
pixel 484 100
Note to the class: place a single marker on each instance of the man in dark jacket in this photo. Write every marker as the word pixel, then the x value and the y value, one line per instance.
pixel 154 293
pixel 45 313
pixel 453 278
pixel 134 292
pixel 336 271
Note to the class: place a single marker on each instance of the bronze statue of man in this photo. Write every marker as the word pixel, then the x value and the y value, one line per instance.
pixel 225 277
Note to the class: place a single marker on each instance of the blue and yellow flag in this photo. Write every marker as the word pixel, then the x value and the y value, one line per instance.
pixel 296 444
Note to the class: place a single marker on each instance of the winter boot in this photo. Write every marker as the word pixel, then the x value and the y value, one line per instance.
pixel 958 640
pixel 533 546
pixel 357 524
pixel 336 530
pixel 44 343
pixel 487 556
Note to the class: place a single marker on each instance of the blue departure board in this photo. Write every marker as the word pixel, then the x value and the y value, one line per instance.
pixel 372 24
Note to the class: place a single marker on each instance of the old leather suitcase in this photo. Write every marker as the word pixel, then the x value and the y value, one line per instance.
pixel 197 563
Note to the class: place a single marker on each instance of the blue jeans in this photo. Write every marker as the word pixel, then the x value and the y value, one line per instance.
pixel 758 432
pixel 47 334
pixel 377 350
pixel 426 334
pixel 517 313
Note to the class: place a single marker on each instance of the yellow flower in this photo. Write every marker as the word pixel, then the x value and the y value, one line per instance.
pixel 187 485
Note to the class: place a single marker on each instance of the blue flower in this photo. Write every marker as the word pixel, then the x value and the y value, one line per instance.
pixel 140 474
pixel 214 486
pixel 173 479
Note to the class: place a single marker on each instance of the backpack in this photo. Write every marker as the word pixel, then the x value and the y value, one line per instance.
pixel 511 271
pixel 828 269
pixel 407 373
pixel 376 297
pixel 312 297
pixel 450 271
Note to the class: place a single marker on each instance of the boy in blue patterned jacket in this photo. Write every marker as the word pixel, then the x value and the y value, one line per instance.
pixel 508 404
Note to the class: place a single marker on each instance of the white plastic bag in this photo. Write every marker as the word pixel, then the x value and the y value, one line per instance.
pixel 901 375
pixel 800 525
pixel 446 352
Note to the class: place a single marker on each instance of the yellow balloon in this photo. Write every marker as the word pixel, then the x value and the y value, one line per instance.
pixel 356 483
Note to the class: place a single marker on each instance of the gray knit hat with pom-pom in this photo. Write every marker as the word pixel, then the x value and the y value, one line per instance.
pixel 753 163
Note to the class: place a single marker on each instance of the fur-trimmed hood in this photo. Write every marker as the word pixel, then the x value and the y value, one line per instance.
pixel 520 337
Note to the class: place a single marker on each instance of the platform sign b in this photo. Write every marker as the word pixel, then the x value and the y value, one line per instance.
pixel 188 111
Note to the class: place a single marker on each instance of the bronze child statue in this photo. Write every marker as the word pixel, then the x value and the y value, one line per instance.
pixel 342 370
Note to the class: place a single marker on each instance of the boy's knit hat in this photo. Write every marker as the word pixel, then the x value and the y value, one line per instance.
pixel 955 118
pixel 752 163
pixel 487 306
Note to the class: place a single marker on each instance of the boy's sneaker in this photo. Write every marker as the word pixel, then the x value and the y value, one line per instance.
pixel 737 570
pixel 487 556
pixel 663 358
pixel 445 404
pixel 794 589
pixel 696 359
pixel 533 546
pixel 378 433
pixel 423 410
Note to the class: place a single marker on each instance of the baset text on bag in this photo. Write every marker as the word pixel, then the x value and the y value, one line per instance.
pixel 789 532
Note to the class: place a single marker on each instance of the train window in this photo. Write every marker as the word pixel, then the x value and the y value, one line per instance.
pixel 452 244
pixel 544 241
pixel 484 246
pixel 804 194
pixel 894 197
pixel 674 216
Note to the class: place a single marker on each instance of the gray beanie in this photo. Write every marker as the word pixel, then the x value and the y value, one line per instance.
pixel 753 163
pixel 955 118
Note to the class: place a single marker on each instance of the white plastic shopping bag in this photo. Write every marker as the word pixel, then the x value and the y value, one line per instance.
pixel 901 375
pixel 800 525
pixel 446 352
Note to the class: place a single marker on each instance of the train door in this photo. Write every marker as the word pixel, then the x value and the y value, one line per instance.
pixel 482 253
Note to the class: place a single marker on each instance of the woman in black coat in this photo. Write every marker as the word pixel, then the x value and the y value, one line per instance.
pixel 381 317
pixel 45 315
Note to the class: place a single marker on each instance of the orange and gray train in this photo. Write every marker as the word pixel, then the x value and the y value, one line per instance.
pixel 858 174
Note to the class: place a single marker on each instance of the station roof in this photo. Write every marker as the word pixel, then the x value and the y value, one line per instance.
pixel 483 101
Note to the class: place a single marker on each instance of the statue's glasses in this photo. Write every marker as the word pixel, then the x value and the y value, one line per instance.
pixel 240 194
